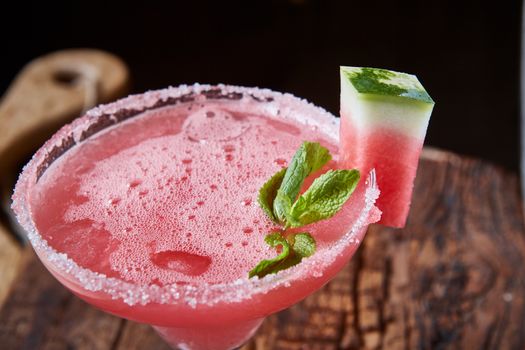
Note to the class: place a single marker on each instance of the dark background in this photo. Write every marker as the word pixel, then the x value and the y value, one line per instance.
pixel 466 53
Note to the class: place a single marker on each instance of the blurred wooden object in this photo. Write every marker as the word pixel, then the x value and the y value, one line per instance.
pixel 47 93
pixel 453 279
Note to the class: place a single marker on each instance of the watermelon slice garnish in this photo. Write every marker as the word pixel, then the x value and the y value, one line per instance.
pixel 384 118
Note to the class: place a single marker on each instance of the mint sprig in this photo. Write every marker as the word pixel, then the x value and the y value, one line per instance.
pixel 310 157
pixel 280 200
pixel 324 198
pixel 268 192
pixel 272 265
pixel 293 250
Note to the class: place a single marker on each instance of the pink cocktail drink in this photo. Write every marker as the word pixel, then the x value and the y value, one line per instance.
pixel 147 208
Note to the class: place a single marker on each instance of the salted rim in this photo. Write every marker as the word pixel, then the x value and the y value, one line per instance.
pixel 193 294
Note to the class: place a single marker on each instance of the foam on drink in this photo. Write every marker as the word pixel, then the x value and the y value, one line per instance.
pixel 171 196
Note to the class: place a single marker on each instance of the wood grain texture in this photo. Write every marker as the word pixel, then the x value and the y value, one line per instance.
pixel 41 314
pixel 452 279
pixel 10 254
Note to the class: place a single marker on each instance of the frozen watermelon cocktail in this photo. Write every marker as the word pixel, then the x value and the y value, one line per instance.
pixel 200 209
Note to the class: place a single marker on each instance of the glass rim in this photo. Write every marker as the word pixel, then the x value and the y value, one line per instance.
pixel 192 294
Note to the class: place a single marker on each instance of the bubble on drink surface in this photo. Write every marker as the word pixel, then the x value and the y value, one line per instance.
pixel 229 148
pixel 181 261
pixel 115 201
pixel 134 183
pixel 281 162
pixel 200 127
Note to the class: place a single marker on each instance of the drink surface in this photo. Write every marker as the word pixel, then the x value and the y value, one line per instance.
pixel 170 196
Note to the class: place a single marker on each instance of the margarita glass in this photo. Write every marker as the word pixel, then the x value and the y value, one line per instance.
pixel 195 298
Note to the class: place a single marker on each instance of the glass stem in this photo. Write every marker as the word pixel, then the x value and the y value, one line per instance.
pixel 224 337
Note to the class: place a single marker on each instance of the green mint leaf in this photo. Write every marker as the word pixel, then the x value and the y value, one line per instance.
pixel 282 206
pixel 268 266
pixel 310 157
pixel 268 192
pixel 303 245
pixel 324 198
pixel 294 249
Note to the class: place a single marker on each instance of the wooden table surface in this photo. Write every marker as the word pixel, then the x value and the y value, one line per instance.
pixel 452 279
